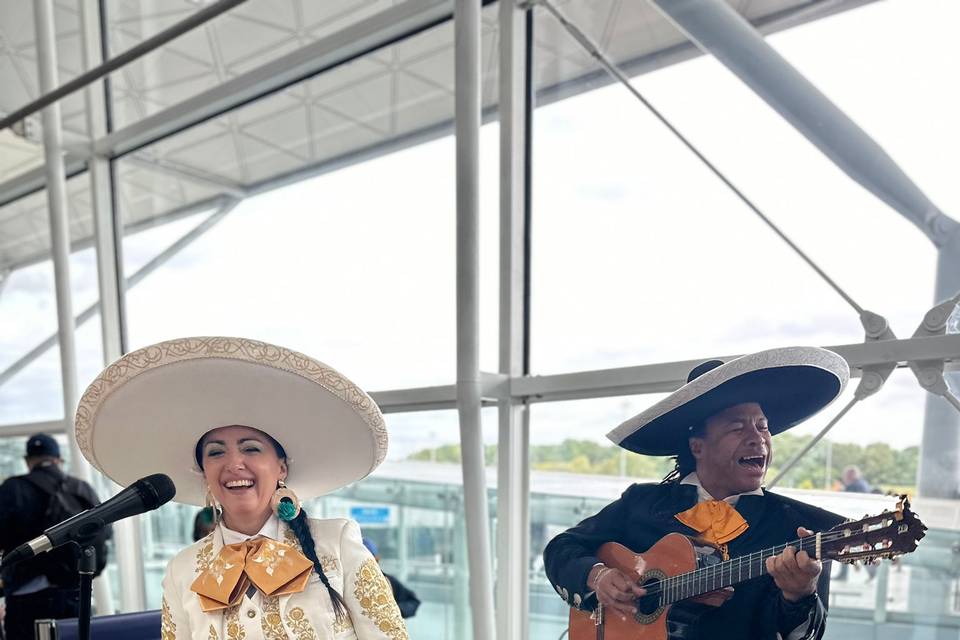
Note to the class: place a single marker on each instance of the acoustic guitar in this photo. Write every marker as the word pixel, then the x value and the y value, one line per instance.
pixel 684 577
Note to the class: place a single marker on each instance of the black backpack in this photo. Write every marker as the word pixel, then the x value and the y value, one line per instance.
pixel 64 501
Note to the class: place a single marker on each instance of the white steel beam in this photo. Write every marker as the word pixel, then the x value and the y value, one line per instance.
pixel 667 376
pixel 52 427
pixel 208 204
pixel 513 440
pixel 129 546
pixel 938 474
pixel 719 30
pixel 466 27
pixel 35 179
pixel 60 241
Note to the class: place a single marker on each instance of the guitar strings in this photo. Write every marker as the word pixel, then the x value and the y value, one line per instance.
pixel 704 575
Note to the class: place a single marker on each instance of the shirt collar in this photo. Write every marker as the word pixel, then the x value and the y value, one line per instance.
pixel 270 529
pixel 703 495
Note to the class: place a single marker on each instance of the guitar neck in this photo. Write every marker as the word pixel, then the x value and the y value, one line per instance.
pixel 727 573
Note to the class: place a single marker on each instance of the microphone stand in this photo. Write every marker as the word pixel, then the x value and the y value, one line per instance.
pixel 86 567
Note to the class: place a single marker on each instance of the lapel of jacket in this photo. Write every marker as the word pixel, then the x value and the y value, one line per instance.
pixel 208 550
pixel 675 499
pixel 753 509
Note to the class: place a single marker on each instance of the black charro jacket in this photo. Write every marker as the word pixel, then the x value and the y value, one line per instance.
pixel 645 513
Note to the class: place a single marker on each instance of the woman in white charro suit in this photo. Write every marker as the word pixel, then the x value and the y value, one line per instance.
pixel 238 425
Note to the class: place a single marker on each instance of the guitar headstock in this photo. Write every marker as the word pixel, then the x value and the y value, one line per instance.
pixel 887 535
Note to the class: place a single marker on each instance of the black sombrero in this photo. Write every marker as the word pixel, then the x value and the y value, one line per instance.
pixel 790 384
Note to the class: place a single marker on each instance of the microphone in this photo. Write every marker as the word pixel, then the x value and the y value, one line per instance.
pixel 143 495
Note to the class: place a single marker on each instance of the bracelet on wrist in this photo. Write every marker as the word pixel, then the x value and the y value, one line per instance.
pixel 603 570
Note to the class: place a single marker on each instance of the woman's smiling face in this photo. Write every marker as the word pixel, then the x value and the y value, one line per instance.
pixel 242 469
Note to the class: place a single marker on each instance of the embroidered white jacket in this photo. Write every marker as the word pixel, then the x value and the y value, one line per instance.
pixel 308 615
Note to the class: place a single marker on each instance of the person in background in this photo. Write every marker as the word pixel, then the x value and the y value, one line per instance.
pixel 203 523
pixel 46 586
pixel 854 481
pixel 406 599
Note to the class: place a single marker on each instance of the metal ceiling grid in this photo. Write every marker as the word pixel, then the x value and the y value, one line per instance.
pixel 395 96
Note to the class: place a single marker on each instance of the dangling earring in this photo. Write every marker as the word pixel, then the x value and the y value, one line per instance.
pixel 285 502
pixel 214 506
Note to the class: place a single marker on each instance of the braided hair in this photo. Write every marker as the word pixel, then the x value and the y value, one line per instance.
pixel 301 529
pixel 684 462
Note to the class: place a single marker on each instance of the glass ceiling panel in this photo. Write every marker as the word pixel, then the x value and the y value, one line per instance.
pixel 395 97
pixel 19 77
pixel 243 38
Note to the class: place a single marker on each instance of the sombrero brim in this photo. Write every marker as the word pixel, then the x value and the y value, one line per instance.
pixel 790 385
pixel 145 413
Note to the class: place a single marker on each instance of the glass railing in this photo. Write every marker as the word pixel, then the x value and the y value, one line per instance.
pixel 418 527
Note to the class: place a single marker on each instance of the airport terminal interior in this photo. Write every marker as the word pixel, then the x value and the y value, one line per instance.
pixel 516 224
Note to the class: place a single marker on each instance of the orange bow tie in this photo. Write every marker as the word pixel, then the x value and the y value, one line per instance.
pixel 715 520
pixel 273 567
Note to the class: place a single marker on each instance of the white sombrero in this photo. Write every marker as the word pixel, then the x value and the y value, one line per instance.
pixel 145 413
pixel 790 384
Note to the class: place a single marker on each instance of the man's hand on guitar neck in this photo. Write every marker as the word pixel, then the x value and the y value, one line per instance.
pixel 795 573
pixel 615 589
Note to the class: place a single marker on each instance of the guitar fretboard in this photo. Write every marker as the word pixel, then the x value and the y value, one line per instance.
pixel 723 574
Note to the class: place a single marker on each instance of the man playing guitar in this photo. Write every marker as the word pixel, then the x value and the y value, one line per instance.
pixel 719 427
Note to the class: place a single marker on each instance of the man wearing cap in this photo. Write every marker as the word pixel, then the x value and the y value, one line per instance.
pixel 44 586
pixel 718 427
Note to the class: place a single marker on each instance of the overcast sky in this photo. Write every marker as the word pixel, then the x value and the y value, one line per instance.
pixel 639 255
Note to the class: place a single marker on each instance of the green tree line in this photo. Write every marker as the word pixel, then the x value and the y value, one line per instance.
pixel 884 467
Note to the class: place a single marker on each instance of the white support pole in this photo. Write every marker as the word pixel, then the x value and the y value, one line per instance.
pixel 60 246
pixel 129 546
pixel 467 117
pixel 938 475
pixel 513 473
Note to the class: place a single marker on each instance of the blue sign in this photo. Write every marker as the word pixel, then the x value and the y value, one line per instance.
pixel 370 515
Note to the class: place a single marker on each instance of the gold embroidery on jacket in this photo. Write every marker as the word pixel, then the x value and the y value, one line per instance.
pixel 205 554
pixel 168 628
pixel 329 564
pixel 290 538
pixel 375 596
pixel 270 620
pixel 213 634
pixel 300 625
pixel 235 630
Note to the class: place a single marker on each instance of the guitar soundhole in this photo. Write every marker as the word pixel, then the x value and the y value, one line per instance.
pixel 649 607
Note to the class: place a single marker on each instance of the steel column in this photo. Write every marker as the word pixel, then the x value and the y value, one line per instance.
pixel 513 442
pixel 60 246
pixel 938 475
pixel 129 546
pixel 467 117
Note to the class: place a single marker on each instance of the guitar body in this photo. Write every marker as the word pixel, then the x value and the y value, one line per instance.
pixel 887 535
pixel 670 556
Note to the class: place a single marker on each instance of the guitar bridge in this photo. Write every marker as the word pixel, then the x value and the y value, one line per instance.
pixel 597 615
